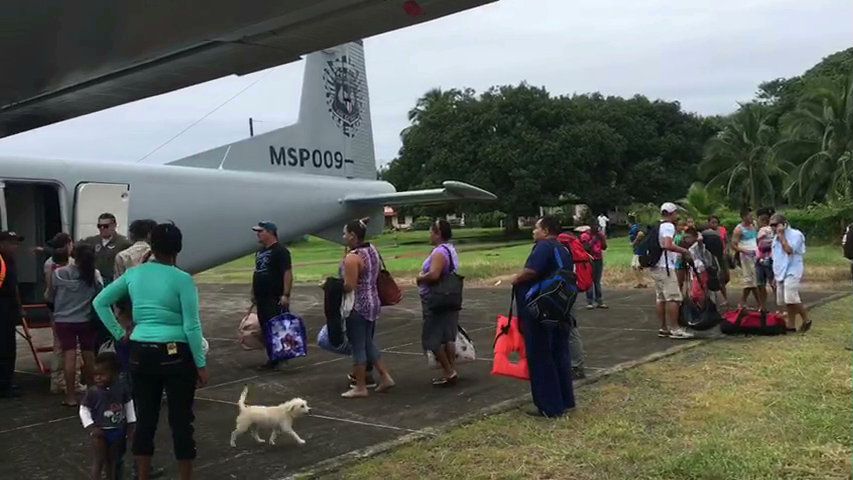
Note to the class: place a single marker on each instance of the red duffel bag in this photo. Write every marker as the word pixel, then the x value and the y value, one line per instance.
pixel 749 321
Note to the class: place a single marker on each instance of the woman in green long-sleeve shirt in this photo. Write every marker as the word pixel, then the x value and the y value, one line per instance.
pixel 165 345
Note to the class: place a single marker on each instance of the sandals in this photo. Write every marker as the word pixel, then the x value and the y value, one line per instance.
pixel 806 326
pixel 385 384
pixel 445 381
pixel 353 393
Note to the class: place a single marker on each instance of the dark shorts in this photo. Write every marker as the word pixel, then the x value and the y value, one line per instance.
pixel 113 435
pixel 70 335
pixel 439 328
pixel 763 274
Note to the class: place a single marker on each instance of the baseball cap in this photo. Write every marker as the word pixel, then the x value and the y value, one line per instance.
pixel 669 207
pixel 6 236
pixel 266 225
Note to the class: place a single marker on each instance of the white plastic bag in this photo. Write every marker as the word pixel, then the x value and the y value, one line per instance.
pixel 465 351
pixel 249 333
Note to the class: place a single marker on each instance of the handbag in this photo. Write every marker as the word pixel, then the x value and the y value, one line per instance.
pixel 325 343
pixel 249 332
pixel 464 349
pixel 286 338
pixel 446 294
pixel 389 292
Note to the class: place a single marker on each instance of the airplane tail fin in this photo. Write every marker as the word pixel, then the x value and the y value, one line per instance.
pixel 333 135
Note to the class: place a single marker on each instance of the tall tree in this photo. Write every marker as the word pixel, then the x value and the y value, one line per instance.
pixel 741 159
pixel 819 139
pixel 532 149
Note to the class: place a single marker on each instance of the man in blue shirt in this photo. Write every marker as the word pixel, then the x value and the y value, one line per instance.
pixel 789 246
pixel 546 343
pixel 635 234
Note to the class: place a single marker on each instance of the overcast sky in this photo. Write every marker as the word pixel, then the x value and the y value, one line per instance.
pixel 708 55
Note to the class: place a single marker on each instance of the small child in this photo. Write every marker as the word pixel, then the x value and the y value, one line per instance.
pixel 108 415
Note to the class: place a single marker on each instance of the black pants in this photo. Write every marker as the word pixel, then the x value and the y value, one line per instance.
pixel 153 369
pixel 9 312
pixel 268 307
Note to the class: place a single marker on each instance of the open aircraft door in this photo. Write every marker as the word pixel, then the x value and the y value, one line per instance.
pixel 93 199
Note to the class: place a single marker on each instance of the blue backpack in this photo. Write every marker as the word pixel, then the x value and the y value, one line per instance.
pixel 551 299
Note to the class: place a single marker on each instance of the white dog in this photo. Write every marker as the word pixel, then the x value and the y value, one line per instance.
pixel 279 417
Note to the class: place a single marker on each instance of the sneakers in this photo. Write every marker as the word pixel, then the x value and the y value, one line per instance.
pixel 680 334
pixel 663 333
pixel 369 381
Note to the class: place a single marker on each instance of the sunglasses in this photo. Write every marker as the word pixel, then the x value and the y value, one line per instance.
pixel 103 226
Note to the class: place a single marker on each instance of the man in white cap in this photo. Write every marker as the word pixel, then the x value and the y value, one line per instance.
pixel 667 292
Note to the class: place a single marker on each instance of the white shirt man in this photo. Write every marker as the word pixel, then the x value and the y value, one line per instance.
pixel 667 292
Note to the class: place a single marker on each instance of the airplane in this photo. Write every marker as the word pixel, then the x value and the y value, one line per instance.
pixel 309 178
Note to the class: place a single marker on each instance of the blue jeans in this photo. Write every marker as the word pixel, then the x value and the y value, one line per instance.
pixel 594 294
pixel 360 335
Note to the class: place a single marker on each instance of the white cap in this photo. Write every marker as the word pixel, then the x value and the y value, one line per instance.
pixel 669 207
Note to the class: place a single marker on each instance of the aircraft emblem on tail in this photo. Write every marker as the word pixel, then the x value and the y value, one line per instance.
pixel 343 85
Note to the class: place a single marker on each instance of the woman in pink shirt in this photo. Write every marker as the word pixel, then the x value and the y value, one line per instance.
pixel 595 242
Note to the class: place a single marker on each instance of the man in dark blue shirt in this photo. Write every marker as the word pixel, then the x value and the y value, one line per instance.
pixel 546 344
pixel 272 281
pixel 635 235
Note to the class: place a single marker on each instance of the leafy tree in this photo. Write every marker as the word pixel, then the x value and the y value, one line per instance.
pixel 532 149
pixel 741 158
pixel 819 139
pixel 700 202
pixel 783 94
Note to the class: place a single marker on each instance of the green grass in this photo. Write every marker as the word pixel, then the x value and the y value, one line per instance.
pixel 485 255
pixel 757 408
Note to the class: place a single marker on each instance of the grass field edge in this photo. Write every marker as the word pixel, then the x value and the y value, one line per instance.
pixel 339 462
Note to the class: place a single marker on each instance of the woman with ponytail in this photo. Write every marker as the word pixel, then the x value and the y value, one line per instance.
pixel 72 288
pixel 359 270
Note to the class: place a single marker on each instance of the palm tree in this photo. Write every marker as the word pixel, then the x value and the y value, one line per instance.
pixel 819 139
pixel 700 202
pixel 741 160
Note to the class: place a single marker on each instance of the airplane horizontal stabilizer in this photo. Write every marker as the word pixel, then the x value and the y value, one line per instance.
pixel 452 191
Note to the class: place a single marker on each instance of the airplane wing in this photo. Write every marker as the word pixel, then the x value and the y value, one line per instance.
pixel 452 191
pixel 63 59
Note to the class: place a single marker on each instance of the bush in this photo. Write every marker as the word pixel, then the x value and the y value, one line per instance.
pixel 421 223
pixel 821 222
pixel 487 219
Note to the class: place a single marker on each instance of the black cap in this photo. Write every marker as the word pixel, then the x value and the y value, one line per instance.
pixel 266 225
pixel 6 236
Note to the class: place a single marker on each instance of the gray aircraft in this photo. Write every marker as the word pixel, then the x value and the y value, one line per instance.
pixel 310 178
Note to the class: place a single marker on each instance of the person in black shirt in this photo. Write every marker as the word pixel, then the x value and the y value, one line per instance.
pixel 10 311
pixel 272 280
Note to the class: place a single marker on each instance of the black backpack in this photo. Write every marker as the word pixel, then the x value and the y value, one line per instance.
pixel 847 242
pixel 649 247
